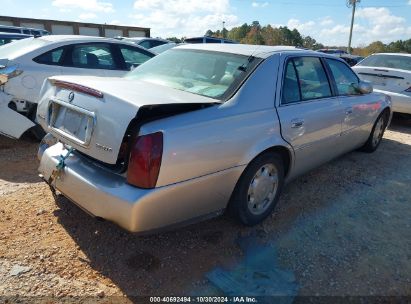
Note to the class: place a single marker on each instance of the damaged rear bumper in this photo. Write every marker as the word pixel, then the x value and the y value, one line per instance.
pixel 107 195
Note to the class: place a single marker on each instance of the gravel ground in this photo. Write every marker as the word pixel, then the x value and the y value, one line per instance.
pixel 343 229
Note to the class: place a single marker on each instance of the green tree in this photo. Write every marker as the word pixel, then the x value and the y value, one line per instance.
pixel 376 47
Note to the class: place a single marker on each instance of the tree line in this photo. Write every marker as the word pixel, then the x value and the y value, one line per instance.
pixel 254 33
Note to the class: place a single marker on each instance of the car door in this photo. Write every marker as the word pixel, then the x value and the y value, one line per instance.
pixel 310 115
pixel 359 109
pixel 93 59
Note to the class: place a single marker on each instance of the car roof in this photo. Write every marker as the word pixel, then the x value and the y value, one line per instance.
pixel 394 54
pixel 80 38
pixel 261 51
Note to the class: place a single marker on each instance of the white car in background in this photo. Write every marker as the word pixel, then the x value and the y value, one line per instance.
pixel 25 64
pixel 390 73
pixel 145 42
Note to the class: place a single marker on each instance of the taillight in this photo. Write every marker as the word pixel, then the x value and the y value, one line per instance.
pixel 77 87
pixel 145 160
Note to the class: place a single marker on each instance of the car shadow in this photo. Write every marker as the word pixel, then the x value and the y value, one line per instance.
pixel 401 123
pixel 175 262
pixel 19 159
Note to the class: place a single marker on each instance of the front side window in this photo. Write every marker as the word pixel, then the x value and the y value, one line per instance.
pixel 93 56
pixel 344 77
pixel 207 73
pixel 52 57
pixel 133 57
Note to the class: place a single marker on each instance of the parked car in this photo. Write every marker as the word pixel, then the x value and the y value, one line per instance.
pixel 26 63
pixel 349 58
pixel 333 51
pixel 145 42
pixel 164 47
pixel 10 37
pixel 390 74
pixel 201 129
pixel 208 39
pixel 23 30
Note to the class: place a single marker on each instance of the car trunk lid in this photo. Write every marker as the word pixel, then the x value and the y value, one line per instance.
pixel 92 114
pixel 387 79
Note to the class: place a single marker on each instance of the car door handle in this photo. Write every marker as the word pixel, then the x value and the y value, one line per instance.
pixel 297 123
pixel 348 111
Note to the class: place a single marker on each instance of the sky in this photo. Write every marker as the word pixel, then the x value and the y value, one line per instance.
pixel 326 21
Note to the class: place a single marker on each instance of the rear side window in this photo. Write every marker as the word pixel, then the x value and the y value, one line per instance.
pixel 52 57
pixel 154 43
pixel 145 44
pixel 5 40
pixel 133 56
pixel 211 40
pixel 93 56
pixel 388 61
pixel 194 40
pixel 305 79
pixel 344 77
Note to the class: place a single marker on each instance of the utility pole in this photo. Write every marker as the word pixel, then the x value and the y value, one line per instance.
pixel 223 32
pixel 352 3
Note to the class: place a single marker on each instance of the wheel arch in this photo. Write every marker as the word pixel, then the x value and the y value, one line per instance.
pixel 284 152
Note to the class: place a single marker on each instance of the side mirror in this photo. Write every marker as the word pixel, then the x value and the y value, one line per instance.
pixel 364 87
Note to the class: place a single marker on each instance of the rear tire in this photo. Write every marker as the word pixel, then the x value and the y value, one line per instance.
pixel 37 132
pixel 377 133
pixel 258 189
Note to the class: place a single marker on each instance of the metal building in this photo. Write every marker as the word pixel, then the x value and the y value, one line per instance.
pixel 56 27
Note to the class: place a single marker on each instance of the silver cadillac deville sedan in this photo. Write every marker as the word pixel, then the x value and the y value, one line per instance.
pixel 201 129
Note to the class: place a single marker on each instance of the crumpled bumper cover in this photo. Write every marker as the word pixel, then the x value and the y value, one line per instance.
pixel 107 195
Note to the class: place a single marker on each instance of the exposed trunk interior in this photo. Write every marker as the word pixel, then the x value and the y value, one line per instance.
pixel 144 115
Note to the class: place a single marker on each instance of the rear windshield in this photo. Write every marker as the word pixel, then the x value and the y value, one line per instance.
pixel 212 74
pixel 20 47
pixel 388 61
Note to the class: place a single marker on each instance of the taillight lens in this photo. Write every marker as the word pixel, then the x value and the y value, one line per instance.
pixel 145 160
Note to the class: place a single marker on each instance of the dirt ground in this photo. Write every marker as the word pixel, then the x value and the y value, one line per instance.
pixel 343 229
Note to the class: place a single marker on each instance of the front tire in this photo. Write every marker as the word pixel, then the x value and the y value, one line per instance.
pixel 258 189
pixel 377 133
